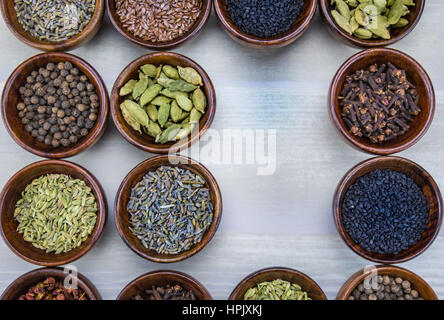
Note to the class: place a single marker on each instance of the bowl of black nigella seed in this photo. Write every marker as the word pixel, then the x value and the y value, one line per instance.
pixel 388 209
pixel 266 23
pixel 55 105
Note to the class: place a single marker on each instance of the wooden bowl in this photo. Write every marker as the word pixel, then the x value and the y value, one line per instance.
pixel 295 32
pixel 396 33
pixel 10 17
pixel 415 74
pixel 274 273
pixel 421 177
pixel 163 278
pixel 122 197
pixel 11 193
pixel 23 283
pixel 145 141
pixel 356 279
pixel 193 32
pixel 11 97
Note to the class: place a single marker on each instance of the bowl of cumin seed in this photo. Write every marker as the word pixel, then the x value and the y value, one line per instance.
pixel 381 101
pixel 159 25
pixel 53 25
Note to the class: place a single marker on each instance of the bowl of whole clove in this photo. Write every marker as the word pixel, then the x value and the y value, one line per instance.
pixel 164 285
pixel 55 105
pixel 381 101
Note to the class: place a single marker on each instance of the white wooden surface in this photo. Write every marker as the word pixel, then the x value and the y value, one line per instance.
pixel 284 219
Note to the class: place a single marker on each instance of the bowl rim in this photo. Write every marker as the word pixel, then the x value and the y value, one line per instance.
pixel 340 193
pixel 212 185
pixel 267 270
pixel 355 279
pixel 84 283
pixel 178 145
pixel 360 43
pixel 87 33
pixel 185 278
pixel 196 29
pixel 351 139
pixel 84 143
pixel 285 38
pixel 102 214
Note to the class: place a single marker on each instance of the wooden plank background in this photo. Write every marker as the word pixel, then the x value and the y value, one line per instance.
pixel 284 219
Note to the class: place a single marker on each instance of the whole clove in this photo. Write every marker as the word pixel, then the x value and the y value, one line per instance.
pixel 379 103
pixel 168 292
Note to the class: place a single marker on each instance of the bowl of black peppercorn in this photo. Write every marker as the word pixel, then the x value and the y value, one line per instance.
pixel 55 105
pixel 388 209
pixel 381 101
pixel 268 24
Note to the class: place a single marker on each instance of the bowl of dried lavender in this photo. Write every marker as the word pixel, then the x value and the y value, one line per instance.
pixel 381 101
pixel 50 284
pixel 168 208
pixel 164 285
pixel 159 25
pixel 53 25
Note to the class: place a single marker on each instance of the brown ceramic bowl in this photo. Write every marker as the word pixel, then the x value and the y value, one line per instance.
pixel 274 273
pixel 415 74
pixel 163 278
pixel 11 193
pixel 396 33
pixel 356 279
pixel 23 283
pixel 11 97
pixel 135 175
pixel 421 177
pixel 10 17
pixel 193 32
pixel 295 32
pixel 145 141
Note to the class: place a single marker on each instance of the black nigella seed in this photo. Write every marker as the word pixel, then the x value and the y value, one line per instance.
pixel 264 18
pixel 385 212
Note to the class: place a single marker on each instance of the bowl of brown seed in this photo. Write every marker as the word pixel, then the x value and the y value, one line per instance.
pixel 160 24
pixel 53 25
pixel 168 208
pixel 277 283
pixel 71 206
pixel 164 285
pixel 381 101
pixel 163 102
pixel 49 284
pixel 385 282
pixel 372 23
pixel 55 105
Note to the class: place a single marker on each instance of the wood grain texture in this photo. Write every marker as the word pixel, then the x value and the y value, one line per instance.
pixel 279 220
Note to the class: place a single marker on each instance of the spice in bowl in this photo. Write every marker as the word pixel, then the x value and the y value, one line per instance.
pixel 56 213
pixel 158 21
pixel 168 292
pixel 52 289
pixel 371 19
pixel 166 102
pixel 385 288
pixel 54 20
pixel 276 290
pixel 379 103
pixel 170 210
pixel 266 18
pixel 58 104
pixel 385 212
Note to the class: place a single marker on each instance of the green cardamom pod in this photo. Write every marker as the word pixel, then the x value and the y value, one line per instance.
pixel 169 134
pixel 151 110
pixel 163 114
pixel 140 87
pixel 129 118
pixel 342 22
pixel 127 88
pixel 150 94
pixel 184 102
pixel 159 100
pixel 171 72
pixel 180 85
pixel 195 116
pixel 164 81
pixel 199 100
pixel 175 112
pixel 149 69
pixel 137 112
pixel 190 75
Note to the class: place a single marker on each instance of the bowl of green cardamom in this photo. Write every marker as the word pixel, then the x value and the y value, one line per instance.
pixel 277 283
pixel 371 23
pixel 52 212
pixel 163 102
